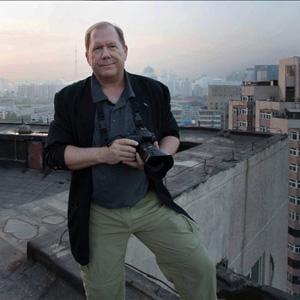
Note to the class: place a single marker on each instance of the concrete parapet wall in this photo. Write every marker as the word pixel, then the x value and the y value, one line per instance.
pixel 242 214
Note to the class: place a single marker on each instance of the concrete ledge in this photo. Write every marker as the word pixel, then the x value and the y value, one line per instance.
pixel 54 253
pixel 56 256
pixel 233 286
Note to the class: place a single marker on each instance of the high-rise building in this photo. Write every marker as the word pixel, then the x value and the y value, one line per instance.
pixel 289 79
pixel 284 117
pixel 277 110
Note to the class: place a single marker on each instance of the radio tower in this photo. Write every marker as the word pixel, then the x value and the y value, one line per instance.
pixel 75 69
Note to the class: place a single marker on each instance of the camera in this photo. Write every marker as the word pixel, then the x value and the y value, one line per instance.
pixel 157 163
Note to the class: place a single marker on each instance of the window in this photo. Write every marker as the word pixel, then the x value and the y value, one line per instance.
pixel 290 70
pixel 245 111
pixel 293 216
pixel 290 93
pixel 294 200
pixel 294 135
pixel 293 167
pixel 294 183
pixel 265 115
pixel 263 129
pixel 247 98
pixel 293 151
pixel 294 248
pixel 243 124
pixel 257 272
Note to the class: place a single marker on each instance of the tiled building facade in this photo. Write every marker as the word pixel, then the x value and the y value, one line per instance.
pixel 278 112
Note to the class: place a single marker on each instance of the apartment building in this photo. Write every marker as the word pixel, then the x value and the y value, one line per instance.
pixel 241 113
pixel 284 117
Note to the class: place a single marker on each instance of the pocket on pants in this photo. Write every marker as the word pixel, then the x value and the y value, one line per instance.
pixel 181 223
pixel 194 227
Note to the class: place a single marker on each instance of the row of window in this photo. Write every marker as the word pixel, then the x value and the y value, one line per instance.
pixel 210 117
pixel 243 111
pixel 264 115
pixel 245 123
pixel 248 98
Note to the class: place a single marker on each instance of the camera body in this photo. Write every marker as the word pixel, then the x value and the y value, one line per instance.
pixel 157 163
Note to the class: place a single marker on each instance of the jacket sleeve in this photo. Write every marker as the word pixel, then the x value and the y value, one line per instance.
pixel 59 136
pixel 169 124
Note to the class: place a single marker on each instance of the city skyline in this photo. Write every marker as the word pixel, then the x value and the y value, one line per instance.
pixel 38 39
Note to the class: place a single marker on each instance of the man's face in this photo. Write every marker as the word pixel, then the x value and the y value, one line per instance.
pixel 106 54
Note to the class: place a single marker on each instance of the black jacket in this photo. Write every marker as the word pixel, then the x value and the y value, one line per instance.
pixel 73 124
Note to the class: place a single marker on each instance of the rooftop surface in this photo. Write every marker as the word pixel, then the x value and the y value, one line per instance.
pixel 33 207
pixel 209 151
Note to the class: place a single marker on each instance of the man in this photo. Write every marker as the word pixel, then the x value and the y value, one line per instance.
pixel 111 197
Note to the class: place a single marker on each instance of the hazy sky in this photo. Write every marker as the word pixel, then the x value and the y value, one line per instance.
pixel 38 39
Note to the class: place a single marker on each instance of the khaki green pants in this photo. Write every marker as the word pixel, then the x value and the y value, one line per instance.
pixel 172 237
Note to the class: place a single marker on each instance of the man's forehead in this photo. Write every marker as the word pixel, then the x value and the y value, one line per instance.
pixel 104 32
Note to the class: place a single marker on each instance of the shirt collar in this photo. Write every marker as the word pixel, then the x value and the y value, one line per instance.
pixel 98 95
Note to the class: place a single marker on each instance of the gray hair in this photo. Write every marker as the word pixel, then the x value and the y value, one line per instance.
pixel 101 25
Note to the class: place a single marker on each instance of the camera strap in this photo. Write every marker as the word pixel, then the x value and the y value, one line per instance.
pixel 101 122
pixel 138 121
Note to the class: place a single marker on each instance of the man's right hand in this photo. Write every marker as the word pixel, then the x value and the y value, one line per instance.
pixel 121 150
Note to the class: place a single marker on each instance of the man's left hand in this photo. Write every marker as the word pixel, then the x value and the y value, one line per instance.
pixel 138 163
